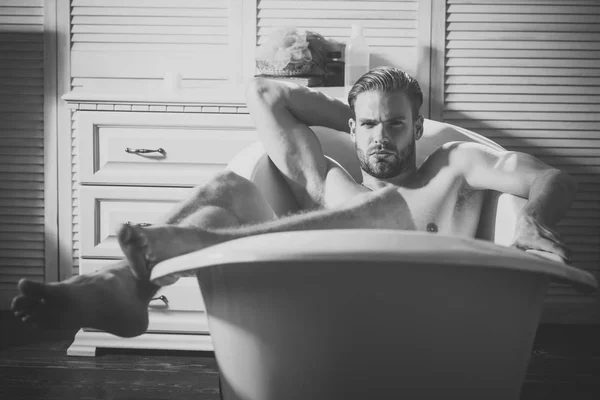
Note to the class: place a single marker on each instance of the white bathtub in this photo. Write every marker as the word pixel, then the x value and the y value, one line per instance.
pixel 371 314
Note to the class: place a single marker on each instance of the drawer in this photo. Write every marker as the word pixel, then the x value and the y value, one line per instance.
pixel 104 208
pixel 183 311
pixel 193 146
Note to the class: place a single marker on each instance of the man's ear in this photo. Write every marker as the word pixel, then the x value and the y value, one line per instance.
pixel 419 127
pixel 352 125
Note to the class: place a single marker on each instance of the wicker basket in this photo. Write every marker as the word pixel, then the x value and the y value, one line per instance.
pixel 298 69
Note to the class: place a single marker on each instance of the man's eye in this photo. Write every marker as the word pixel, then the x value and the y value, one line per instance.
pixel 368 124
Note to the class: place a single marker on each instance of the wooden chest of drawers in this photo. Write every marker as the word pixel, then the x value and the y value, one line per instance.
pixel 133 167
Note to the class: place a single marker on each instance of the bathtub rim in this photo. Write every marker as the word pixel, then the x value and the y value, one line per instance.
pixel 372 245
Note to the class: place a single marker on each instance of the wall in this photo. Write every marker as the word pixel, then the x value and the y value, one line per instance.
pixel 527 75
pixel 28 245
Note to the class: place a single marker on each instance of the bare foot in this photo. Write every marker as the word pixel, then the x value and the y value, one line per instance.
pixel 145 247
pixel 112 301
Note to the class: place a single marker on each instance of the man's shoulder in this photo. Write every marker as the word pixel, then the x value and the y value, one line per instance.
pixel 448 151
pixel 460 145
pixel 458 151
pixel 458 155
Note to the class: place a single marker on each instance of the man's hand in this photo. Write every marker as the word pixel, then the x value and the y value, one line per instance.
pixel 532 235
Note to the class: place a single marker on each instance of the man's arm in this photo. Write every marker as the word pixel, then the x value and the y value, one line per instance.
pixel 549 191
pixel 282 114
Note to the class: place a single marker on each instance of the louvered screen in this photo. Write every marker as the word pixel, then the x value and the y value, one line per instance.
pixel 133 43
pixel 390 27
pixel 21 144
pixel 527 74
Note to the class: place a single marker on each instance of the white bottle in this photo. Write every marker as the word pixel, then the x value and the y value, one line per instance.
pixel 356 57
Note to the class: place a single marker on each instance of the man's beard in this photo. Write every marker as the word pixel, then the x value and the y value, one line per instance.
pixel 390 166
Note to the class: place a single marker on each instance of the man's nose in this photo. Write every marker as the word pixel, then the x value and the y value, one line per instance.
pixel 380 136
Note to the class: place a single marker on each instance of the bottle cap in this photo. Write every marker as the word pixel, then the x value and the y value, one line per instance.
pixel 357 30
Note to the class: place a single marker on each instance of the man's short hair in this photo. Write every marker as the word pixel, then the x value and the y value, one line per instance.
pixel 388 79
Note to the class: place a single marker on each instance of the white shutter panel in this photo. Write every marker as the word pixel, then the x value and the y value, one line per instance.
pixel 527 75
pixel 390 27
pixel 133 43
pixel 21 144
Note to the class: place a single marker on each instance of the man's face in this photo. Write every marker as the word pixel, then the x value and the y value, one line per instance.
pixel 385 133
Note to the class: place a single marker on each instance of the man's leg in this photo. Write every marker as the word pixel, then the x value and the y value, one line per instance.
pixel 226 201
pixel 115 299
pixel 144 247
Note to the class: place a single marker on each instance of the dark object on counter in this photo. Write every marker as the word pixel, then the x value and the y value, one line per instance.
pixel 334 69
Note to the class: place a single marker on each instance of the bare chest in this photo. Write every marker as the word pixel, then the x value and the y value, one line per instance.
pixel 445 206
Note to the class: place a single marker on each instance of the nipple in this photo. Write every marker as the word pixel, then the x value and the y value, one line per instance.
pixel 431 227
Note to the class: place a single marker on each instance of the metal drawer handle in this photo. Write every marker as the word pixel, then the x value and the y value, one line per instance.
pixel 163 298
pixel 145 151
pixel 142 224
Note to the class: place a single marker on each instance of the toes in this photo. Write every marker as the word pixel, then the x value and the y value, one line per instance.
pixel 31 300
pixel 132 236
pixel 31 288
pixel 124 234
pixel 30 320
pixel 24 304
pixel 134 243
pixel 27 318
pixel 26 308
pixel 20 304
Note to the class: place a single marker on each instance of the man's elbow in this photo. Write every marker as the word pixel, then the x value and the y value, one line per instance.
pixel 265 91
pixel 569 182
pixel 560 179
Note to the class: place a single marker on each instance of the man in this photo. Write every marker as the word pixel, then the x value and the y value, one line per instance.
pixel 443 196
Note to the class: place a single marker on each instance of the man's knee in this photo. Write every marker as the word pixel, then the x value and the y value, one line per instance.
pixel 230 178
pixel 224 187
pixel 238 195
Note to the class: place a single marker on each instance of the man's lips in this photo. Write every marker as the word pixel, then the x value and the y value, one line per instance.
pixel 382 153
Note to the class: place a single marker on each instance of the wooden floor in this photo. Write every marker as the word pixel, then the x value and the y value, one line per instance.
pixel 33 365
